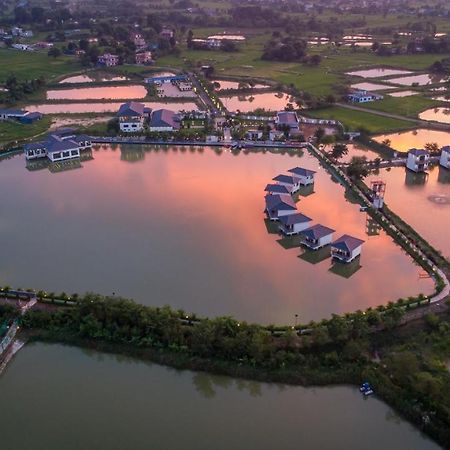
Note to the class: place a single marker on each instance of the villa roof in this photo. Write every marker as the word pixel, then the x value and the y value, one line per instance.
pixel 131 109
pixel 277 189
pixel 292 219
pixel 418 151
pixel 285 179
pixel 347 243
pixel 280 201
pixel 81 138
pixel 317 231
pixel 164 118
pixel 445 149
pixel 13 112
pixel 34 145
pixel 56 144
pixel 300 171
pixel 287 117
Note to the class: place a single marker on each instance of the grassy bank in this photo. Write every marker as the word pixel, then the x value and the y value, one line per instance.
pixel 11 132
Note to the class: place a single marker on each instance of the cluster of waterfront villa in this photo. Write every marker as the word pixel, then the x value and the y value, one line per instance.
pixel 419 159
pixel 281 207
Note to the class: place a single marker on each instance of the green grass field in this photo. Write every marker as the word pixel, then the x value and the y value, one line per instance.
pixel 11 131
pixel 29 65
pixel 357 120
pixel 405 106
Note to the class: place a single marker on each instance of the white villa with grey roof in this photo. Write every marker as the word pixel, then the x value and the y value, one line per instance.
pixel 317 236
pixel 132 116
pixel 418 160
pixel 346 248
pixel 279 205
pixel 444 160
pixel 289 181
pixel 304 176
pixel 294 223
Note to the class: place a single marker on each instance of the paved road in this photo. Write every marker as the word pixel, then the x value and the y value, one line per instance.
pixel 424 123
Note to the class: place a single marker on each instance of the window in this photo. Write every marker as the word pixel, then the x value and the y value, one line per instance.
pixel 74 152
pixel 30 153
pixel 56 155
pixel 66 154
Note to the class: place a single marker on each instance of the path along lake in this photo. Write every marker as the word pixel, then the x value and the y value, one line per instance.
pixel 98 401
pixel 185 227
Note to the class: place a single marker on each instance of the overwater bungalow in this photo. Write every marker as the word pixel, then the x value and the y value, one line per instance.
pixel 277 189
pixel 294 223
pixel 317 236
pixel 279 205
pixel 346 248
pixel 418 160
pixel 305 176
pixel 444 160
pixel 290 181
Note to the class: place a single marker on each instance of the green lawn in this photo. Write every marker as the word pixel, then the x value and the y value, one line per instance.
pixel 28 65
pixel 11 131
pixel 406 106
pixel 356 120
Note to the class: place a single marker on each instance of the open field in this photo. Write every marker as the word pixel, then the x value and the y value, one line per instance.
pixel 10 132
pixel 406 106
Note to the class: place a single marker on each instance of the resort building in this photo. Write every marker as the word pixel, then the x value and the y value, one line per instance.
pixel 418 160
pixel 164 120
pixel 143 57
pixel 279 205
pixel 132 116
pixel 58 147
pixel 294 223
pixel 20 115
pixel 165 79
pixel 305 176
pixel 291 182
pixel 363 97
pixel 317 236
pixel 346 248
pixel 277 189
pixel 287 119
pixel 108 60
pixel 444 160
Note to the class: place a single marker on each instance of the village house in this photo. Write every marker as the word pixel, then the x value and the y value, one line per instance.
pixel 108 60
pixel 58 147
pixel 444 160
pixel 143 57
pixel 294 223
pixel 254 135
pixel 305 176
pixel 138 40
pixel 317 236
pixel 291 182
pixel 132 116
pixel 418 160
pixel 287 119
pixel 164 120
pixel 20 115
pixel 166 33
pixel 346 248
pixel 361 96
pixel 277 189
pixel 279 205
pixel 22 47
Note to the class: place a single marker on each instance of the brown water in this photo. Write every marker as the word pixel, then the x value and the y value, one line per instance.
pixel 422 200
pixel 421 80
pixel 55 397
pixel 371 86
pixel 85 108
pixel 406 140
pixel 436 114
pixel 99 93
pixel 377 72
pixel 185 227
pixel 248 103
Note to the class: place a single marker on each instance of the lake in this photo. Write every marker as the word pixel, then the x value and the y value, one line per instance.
pixel 186 227
pixel 269 101
pixel 406 140
pixel 57 397
pixel 377 72
pixel 421 200
pixel 98 93
pixel 436 114
pixel 85 108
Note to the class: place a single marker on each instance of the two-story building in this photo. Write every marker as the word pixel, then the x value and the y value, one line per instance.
pixel 418 160
pixel 108 60
pixel 132 117
pixel 164 120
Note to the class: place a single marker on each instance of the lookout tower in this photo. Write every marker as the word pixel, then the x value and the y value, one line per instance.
pixel 377 189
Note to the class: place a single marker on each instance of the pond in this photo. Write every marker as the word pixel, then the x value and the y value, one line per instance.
pixel 420 80
pixel 72 399
pixel 186 227
pixel 406 140
pixel 227 84
pixel 436 114
pixel 269 101
pixel 371 87
pixel 85 108
pixel 422 200
pixel 98 93
pixel 403 93
pixel 93 77
pixel 377 72
pixel 355 149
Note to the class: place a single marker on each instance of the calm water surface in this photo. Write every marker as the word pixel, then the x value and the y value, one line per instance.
pixel 93 77
pixel 59 397
pixel 436 114
pixel 186 228
pixel 378 72
pixel 422 200
pixel 84 108
pixel 421 80
pixel 98 93
pixel 371 86
pixel 403 93
pixel 404 141
pixel 247 103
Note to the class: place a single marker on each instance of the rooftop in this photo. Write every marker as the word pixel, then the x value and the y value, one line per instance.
pixel 285 179
pixel 131 109
pixel 347 243
pixel 280 201
pixel 277 188
pixel 292 219
pixel 317 231
pixel 418 151
pixel 300 171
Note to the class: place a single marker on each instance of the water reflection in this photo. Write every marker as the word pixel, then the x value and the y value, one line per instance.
pixel 346 270
pixel 99 93
pixel 59 166
pixel 414 178
pixel 246 103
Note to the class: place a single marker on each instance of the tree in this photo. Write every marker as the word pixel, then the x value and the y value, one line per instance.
pixel 339 150
pixel 386 142
pixel 315 60
pixel 432 147
pixel 319 134
pixel 55 52
pixel 357 169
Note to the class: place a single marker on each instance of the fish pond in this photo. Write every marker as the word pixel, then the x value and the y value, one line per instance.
pixel 441 114
pixel 93 77
pixel 100 401
pixel 377 72
pixel 419 80
pixel 185 227
pixel 406 140
pixel 268 101
pixel 98 93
